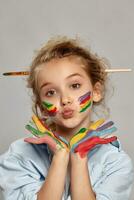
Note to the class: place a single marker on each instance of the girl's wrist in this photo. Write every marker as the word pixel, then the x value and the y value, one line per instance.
pixel 61 155
pixel 75 157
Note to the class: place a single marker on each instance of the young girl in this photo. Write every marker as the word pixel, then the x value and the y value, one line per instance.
pixel 75 158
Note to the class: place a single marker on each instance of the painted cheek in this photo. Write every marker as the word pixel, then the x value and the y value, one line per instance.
pixel 51 109
pixel 85 101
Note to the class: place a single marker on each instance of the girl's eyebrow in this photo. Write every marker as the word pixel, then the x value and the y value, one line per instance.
pixel 70 76
pixel 45 84
pixel 76 74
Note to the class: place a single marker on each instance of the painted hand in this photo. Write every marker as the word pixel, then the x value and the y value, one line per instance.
pixel 82 142
pixel 43 135
pixel 87 139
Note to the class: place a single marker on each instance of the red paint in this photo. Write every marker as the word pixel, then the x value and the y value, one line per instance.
pixel 52 112
pixel 87 98
pixel 86 146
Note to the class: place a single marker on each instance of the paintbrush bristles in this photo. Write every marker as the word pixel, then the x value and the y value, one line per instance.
pixel 118 70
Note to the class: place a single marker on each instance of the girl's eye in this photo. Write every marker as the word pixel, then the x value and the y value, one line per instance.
pixel 75 85
pixel 50 93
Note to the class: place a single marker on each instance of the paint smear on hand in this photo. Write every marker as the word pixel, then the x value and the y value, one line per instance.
pixel 89 144
pixel 85 101
pixel 52 110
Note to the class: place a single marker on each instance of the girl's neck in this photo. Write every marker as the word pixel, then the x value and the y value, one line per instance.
pixel 68 133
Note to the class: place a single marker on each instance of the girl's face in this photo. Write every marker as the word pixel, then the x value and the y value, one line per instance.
pixel 66 92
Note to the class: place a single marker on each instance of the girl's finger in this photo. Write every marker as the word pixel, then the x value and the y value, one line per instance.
pixel 92 142
pixel 43 140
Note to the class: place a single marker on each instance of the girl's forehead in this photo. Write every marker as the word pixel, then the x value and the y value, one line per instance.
pixel 59 72
pixel 61 68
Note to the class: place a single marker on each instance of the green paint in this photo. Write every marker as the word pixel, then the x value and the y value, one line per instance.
pixel 82 130
pixel 88 105
pixel 58 142
pixel 46 104
pixel 38 133
pixel 34 131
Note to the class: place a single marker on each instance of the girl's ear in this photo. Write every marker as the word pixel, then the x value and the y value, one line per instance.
pixel 97 92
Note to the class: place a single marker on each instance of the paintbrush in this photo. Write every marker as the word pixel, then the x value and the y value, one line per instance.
pixel 24 73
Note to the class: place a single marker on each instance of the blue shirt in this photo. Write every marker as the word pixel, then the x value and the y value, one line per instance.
pixel 24 167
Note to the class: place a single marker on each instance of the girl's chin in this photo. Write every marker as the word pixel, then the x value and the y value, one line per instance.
pixel 69 124
pixel 75 122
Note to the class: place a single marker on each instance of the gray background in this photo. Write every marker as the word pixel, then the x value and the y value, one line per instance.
pixel 107 26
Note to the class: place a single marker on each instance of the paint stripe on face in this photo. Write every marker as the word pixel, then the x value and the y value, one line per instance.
pixel 85 101
pixel 52 110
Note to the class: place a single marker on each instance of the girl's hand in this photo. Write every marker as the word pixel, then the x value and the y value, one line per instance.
pixel 86 146
pixel 43 135
pixel 44 140
pixel 62 155
pixel 76 157
pixel 98 133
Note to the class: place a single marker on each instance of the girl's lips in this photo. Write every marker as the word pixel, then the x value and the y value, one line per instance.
pixel 67 113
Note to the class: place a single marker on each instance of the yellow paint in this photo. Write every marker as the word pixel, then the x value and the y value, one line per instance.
pixel 63 144
pixel 40 126
pixel 96 124
pixel 51 108
pixel 84 104
pixel 77 138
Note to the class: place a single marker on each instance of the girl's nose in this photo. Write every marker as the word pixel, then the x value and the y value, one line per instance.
pixel 66 101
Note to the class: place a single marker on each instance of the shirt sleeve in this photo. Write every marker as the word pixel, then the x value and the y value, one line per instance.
pixel 19 179
pixel 117 179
